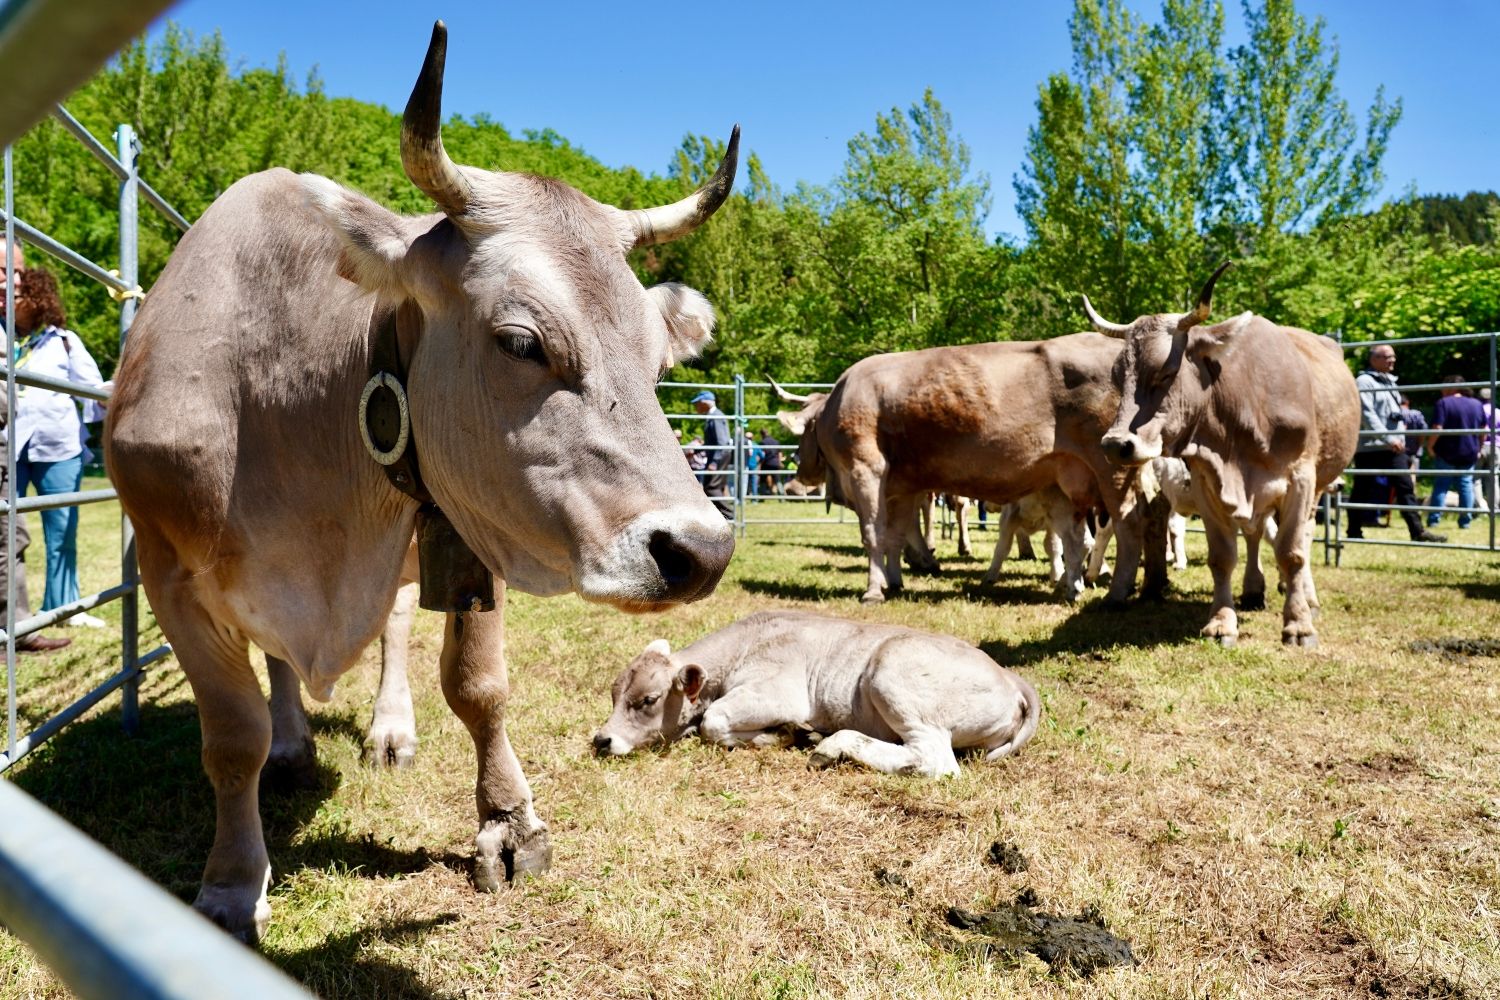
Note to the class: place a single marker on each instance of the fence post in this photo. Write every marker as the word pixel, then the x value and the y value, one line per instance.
pixel 1491 497
pixel 130 710
pixel 739 453
pixel 10 467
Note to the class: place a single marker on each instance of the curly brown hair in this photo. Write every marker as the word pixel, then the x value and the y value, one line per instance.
pixel 41 288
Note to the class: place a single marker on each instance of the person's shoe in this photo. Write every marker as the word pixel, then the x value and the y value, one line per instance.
pixel 1354 533
pixel 85 620
pixel 1429 536
pixel 40 644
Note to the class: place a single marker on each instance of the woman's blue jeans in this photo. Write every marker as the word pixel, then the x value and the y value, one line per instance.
pixel 60 526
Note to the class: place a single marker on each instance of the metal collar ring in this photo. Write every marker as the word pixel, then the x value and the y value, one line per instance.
pixel 391 455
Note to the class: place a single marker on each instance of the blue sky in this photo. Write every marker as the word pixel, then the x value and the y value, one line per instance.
pixel 626 82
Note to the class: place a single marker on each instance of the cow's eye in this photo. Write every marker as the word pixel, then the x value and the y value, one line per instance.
pixel 521 344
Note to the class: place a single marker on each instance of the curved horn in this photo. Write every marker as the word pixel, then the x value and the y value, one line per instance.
pixel 1101 324
pixel 669 222
pixel 1199 313
pixel 422 153
pixel 783 395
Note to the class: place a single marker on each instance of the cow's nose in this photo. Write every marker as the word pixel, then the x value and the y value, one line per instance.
pixel 601 744
pixel 691 562
pixel 1118 450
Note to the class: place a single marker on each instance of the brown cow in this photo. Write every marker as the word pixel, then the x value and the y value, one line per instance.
pixel 1265 416
pixel 529 354
pixel 997 421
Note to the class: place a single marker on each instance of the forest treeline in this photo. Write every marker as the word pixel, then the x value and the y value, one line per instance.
pixel 1159 152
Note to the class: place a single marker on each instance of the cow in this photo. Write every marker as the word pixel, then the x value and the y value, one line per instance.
pixel 994 420
pixel 894 699
pixel 271 508
pixel 1067 540
pixel 1265 416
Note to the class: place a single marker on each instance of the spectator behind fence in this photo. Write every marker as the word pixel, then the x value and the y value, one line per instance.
pixel 1415 422
pixel 770 463
pixel 16 567
pixel 717 452
pixel 1487 450
pixel 1385 450
pixel 1455 453
pixel 49 435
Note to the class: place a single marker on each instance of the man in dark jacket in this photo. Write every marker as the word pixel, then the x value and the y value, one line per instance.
pixel 718 449
pixel 1384 450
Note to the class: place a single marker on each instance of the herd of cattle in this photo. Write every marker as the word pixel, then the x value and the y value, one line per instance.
pixel 524 353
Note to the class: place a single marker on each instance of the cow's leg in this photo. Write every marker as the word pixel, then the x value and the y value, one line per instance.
pixel 1023 546
pixel 1292 544
pixel 1253 589
pixel 759 714
pixel 1097 567
pixel 1009 519
pixel 961 514
pixel 1127 535
pixel 865 498
pixel 511 841
pixel 1065 547
pixel 927 521
pixel 1177 540
pixel 1223 551
pixel 919 553
pixel 392 738
pixel 293 759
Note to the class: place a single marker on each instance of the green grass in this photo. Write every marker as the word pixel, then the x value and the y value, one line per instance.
pixel 1256 821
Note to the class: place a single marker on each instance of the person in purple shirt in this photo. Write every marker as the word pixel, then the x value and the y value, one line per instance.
pixel 48 437
pixel 1455 452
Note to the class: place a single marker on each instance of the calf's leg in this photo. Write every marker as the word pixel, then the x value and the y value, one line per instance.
pixel 511 840
pixel 392 736
pixel 928 753
pixel 1253 587
pixel 293 758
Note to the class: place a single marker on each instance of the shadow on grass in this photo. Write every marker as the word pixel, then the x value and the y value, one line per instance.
pixel 1171 621
pixel 340 966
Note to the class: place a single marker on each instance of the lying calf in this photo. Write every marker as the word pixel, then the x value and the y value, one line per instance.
pixel 890 698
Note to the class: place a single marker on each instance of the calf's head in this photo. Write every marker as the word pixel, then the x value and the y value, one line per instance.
pixel 653 702
pixel 1165 373
pixel 532 381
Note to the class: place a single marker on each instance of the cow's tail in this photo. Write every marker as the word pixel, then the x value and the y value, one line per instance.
pixel 1029 724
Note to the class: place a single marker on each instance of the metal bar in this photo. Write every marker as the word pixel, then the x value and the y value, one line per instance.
pixel 54 500
pixel 75 260
pixel 55 384
pixel 48 729
pixel 118 168
pixel 129 153
pixel 10 462
pixel 1450 338
pixel 105 929
pixel 739 454
pixel 42 619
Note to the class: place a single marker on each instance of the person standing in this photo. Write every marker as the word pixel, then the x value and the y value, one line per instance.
pixel 16 568
pixel 1415 422
pixel 1384 450
pixel 718 451
pixel 1455 453
pixel 770 463
pixel 49 435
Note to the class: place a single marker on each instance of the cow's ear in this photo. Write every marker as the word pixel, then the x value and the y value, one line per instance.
pixel 690 679
pixel 1218 340
pixel 690 320
pixel 794 422
pixel 372 245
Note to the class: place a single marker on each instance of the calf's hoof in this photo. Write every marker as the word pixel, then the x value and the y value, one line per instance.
pixel 390 746
pixel 242 911
pixel 1253 602
pixel 291 767
pixel 820 761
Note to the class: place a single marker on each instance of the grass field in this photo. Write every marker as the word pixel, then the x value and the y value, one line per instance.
pixel 1256 822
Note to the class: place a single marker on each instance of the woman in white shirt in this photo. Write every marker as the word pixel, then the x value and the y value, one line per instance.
pixel 48 436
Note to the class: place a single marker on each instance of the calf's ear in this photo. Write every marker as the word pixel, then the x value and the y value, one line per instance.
pixel 689 317
pixel 690 679
pixel 1218 340
pixel 659 646
pixel 372 246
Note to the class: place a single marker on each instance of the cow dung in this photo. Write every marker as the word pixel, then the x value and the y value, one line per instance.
pixel 1081 944
pixel 1007 857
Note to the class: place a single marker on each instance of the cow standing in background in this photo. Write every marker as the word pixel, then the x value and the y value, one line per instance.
pixel 527 352
pixel 1266 418
pixel 997 421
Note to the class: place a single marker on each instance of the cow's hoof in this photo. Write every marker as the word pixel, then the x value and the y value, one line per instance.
pixel 241 911
pixel 390 746
pixel 291 767
pixel 1306 640
pixel 1114 605
pixel 1253 602
pixel 873 598
pixel 1227 641
pixel 533 858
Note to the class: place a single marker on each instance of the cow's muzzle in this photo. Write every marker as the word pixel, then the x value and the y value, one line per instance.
pixel 1128 449
pixel 662 558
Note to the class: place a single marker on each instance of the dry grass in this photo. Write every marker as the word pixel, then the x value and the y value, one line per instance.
pixel 1257 822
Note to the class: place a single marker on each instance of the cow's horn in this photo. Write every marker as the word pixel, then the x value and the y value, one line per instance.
pixel 1200 311
pixel 783 395
pixel 422 153
pixel 669 222
pixel 1101 324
